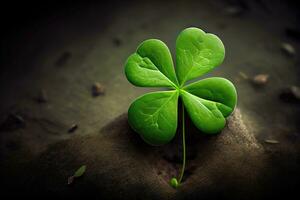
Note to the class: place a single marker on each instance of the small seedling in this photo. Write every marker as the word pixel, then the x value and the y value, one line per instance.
pixel 79 172
pixel 208 102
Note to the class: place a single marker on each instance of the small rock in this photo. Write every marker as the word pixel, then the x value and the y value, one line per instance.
pixel 18 118
pixel 260 79
pixel 234 11
pixel 97 89
pixel 73 128
pixel 271 141
pixel 288 49
pixel 70 180
pixel 296 91
pixel 12 122
pixel 290 94
pixel 243 75
pixel 117 42
pixel 42 96
pixel 63 59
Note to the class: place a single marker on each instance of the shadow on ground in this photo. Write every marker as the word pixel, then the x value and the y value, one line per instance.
pixel 120 165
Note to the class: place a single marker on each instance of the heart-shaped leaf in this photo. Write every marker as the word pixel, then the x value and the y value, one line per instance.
pixel 154 116
pixel 216 89
pixel 151 66
pixel 204 113
pixel 197 53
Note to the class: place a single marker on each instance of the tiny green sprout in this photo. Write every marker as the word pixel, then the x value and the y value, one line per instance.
pixel 79 172
pixel 207 102
pixel 174 182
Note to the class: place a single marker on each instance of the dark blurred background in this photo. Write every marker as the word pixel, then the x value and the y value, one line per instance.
pixel 62 70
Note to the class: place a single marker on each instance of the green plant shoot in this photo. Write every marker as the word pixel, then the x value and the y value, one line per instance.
pixel 207 102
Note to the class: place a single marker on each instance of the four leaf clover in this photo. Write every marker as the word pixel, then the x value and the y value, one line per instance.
pixel 208 101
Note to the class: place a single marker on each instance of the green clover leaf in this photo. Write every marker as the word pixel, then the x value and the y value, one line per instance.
pixel 208 101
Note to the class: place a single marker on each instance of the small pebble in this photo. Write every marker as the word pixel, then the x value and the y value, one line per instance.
pixel 290 94
pixel 117 42
pixel 97 89
pixel 243 75
pixel 19 119
pixel 13 122
pixel 234 11
pixel 70 180
pixel 271 141
pixel 296 91
pixel 73 128
pixel 288 49
pixel 260 79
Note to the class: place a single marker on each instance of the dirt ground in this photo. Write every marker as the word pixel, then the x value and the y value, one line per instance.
pixel 50 66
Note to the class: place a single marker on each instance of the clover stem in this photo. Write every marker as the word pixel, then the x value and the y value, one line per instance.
pixel 174 182
pixel 183 146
